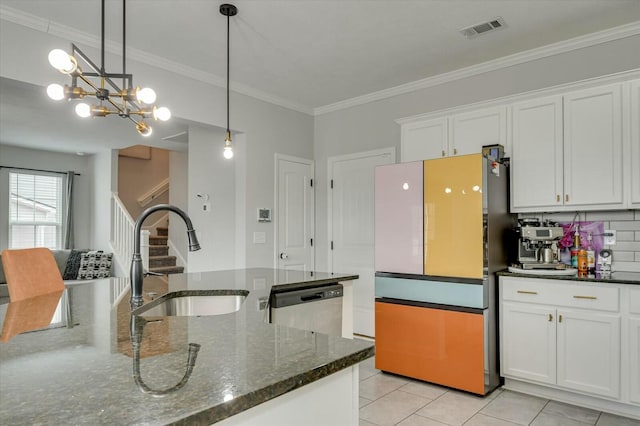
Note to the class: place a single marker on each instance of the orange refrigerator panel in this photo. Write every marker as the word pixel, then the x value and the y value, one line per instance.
pixel 453 240
pixel 434 345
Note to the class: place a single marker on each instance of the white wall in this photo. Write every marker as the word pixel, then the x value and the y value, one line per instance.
pixel 178 195
pixel 372 125
pixel 266 129
pixel 53 161
pixel 215 228
pixel 104 181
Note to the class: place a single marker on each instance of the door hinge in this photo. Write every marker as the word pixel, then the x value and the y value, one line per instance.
pixel 311 182
pixel 331 183
pixel 312 242
pixel 331 245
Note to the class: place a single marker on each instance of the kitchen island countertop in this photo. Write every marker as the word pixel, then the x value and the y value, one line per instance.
pixel 82 373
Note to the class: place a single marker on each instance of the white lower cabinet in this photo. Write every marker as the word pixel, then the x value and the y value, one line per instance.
pixel 588 352
pixel 634 359
pixel 528 338
pixel 565 335
pixel 634 345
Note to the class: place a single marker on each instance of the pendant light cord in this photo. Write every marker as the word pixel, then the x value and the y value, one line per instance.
pixel 124 39
pixel 102 43
pixel 228 17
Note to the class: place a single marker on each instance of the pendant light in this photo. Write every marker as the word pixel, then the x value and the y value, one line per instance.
pixel 228 10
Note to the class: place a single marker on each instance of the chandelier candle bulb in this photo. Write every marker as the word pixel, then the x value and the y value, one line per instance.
pixel 55 92
pixel 60 60
pixel 83 110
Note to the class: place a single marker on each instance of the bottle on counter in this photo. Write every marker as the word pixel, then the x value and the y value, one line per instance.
pixel 591 256
pixel 582 261
pixel 575 248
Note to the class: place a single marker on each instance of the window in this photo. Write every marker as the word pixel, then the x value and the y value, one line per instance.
pixel 35 210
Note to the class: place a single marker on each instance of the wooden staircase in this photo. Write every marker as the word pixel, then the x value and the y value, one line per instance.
pixel 159 259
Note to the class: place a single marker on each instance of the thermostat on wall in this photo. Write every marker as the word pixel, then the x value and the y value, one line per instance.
pixel 264 215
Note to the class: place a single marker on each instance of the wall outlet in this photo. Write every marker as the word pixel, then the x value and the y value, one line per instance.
pixel 609 237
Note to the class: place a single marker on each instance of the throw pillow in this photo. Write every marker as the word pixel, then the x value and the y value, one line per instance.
pixel 95 264
pixel 73 264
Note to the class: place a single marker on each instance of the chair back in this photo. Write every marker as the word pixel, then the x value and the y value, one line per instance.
pixel 31 272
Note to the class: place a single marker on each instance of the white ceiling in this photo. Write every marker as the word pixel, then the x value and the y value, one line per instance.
pixel 314 53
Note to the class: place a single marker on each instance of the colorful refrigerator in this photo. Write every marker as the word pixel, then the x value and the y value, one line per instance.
pixel 437 321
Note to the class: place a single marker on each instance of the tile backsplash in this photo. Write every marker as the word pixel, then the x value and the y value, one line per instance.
pixel 626 223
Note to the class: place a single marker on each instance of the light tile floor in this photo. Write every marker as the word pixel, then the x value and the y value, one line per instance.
pixel 387 400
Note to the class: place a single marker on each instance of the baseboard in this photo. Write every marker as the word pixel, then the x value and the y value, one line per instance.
pixel 594 403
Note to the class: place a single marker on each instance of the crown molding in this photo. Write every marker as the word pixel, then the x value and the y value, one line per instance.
pixel 79 37
pixel 580 42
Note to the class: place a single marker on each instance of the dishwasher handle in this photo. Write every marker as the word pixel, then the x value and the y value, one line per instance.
pixel 312 297
pixel 309 295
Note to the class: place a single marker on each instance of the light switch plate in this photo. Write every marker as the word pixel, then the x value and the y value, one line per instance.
pixel 259 237
pixel 609 237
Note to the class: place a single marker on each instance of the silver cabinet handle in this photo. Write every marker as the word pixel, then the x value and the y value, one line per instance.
pixel 284 256
pixel 527 292
pixel 585 297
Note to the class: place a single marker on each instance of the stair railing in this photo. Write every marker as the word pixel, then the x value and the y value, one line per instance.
pixel 122 236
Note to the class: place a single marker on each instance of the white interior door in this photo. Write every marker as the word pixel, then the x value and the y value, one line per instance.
pixel 294 223
pixel 351 228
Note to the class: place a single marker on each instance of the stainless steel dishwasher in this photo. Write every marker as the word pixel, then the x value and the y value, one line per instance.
pixel 315 309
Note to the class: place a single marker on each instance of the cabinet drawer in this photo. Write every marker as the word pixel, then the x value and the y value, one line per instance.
pixel 561 293
pixel 634 300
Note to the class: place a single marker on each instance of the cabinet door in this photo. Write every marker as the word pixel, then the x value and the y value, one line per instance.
pixel 536 155
pixel 470 131
pixel 424 140
pixel 589 352
pixel 435 345
pixel 528 342
pixel 453 229
pixel 635 143
pixel 634 359
pixel 593 147
pixel 398 218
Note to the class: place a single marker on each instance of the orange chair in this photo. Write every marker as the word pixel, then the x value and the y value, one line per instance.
pixel 31 272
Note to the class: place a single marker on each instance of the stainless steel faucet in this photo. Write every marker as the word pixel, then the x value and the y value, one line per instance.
pixel 137 270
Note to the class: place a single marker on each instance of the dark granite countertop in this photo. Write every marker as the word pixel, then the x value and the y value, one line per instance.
pixel 616 277
pixel 84 374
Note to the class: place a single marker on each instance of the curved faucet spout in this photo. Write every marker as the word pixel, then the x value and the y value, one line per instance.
pixel 137 329
pixel 137 270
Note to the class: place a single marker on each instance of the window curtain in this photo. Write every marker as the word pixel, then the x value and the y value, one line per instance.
pixel 68 242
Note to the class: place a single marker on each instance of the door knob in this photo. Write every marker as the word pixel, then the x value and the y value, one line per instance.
pixel 284 256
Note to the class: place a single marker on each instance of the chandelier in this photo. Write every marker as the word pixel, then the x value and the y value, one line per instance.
pixel 130 102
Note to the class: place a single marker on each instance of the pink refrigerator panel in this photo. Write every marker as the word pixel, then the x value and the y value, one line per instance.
pixel 398 216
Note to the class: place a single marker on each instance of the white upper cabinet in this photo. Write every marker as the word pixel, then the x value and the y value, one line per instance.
pixel 635 143
pixel 471 131
pixel 593 148
pixel 536 155
pixel 571 150
pixel 424 140
pixel 459 134
pixel 567 152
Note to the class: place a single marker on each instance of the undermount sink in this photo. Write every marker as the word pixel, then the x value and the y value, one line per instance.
pixel 194 303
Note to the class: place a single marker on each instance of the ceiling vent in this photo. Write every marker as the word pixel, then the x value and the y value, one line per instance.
pixel 483 28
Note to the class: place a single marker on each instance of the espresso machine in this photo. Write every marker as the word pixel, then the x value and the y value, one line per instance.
pixel 536 244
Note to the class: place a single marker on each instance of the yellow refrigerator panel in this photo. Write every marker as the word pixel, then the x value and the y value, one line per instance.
pixel 453 240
